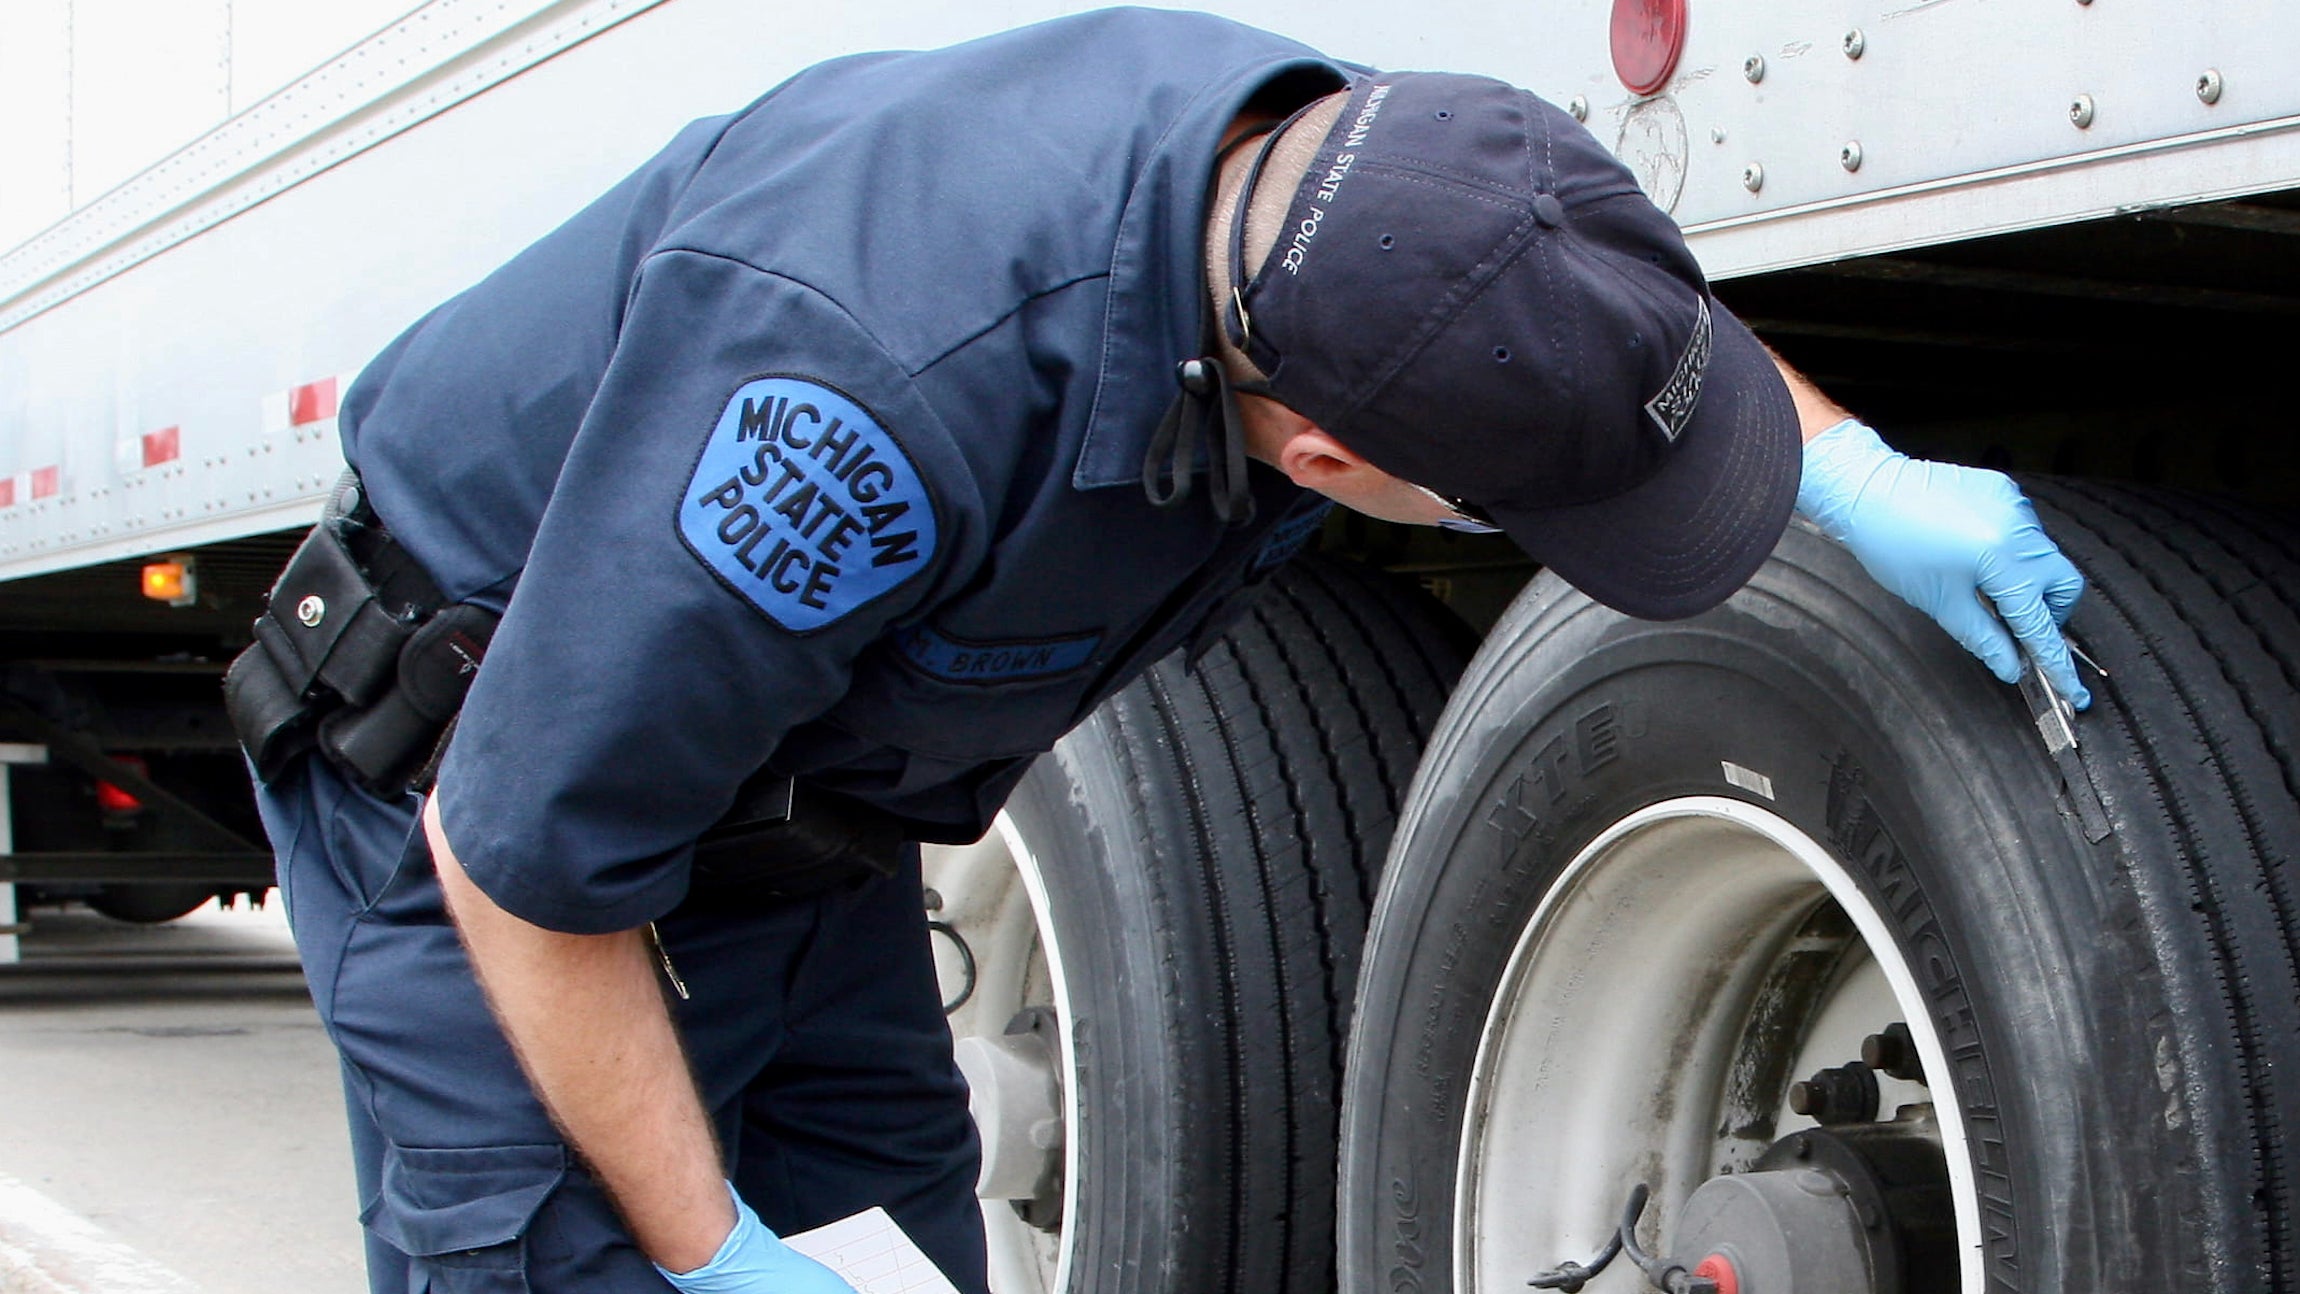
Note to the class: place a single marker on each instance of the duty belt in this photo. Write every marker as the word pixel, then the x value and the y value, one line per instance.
pixel 358 655
pixel 359 658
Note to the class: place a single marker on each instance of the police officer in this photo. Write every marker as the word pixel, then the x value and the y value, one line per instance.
pixel 826 470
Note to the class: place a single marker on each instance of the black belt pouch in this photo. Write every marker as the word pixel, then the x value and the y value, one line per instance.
pixel 393 743
pixel 357 658
pixel 785 841
pixel 324 640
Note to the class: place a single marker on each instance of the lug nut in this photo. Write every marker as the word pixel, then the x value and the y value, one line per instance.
pixel 1894 1052
pixel 1846 1094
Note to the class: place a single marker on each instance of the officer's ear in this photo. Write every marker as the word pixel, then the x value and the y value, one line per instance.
pixel 1316 461
pixel 1298 447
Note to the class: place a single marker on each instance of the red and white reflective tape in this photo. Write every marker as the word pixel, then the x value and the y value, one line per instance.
pixel 152 449
pixel 301 406
pixel 309 409
pixel 28 487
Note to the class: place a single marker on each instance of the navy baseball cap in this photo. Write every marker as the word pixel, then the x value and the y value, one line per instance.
pixel 1475 295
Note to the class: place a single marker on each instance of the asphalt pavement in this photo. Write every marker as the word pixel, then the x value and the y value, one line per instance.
pixel 170 1113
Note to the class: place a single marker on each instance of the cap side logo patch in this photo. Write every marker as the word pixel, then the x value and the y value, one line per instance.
pixel 1673 408
pixel 803 504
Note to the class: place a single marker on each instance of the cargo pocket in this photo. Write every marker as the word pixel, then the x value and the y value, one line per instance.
pixel 461 1215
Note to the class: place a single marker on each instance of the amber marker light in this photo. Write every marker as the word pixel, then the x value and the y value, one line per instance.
pixel 172 579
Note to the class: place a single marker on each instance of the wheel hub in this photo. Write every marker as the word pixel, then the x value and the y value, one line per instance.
pixel 1014 1083
pixel 1861 1207
pixel 1747 946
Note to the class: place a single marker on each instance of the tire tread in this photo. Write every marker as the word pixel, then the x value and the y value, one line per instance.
pixel 1276 763
pixel 2204 694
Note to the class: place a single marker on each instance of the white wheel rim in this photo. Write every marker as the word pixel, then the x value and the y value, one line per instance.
pixel 994 895
pixel 1602 1061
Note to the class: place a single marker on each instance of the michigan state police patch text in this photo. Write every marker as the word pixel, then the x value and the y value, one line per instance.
pixel 805 505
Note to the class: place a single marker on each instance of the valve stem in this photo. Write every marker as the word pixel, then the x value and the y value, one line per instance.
pixel 1666 1275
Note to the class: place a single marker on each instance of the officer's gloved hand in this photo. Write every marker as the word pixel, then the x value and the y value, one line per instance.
pixel 1934 533
pixel 753 1261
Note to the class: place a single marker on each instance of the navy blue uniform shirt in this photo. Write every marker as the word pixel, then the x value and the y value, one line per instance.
pixel 815 445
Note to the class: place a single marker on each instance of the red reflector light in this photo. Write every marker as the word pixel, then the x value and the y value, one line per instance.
pixel 1648 36
pixel 111 799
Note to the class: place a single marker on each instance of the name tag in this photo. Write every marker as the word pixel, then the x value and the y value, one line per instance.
pixel 957 660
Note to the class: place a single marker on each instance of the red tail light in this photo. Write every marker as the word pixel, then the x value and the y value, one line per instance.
pixel 111 799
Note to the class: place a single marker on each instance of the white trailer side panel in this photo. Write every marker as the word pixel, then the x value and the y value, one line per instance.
pixel 96 91
pixel 1774 146
pixel 35 94
pixel 165 352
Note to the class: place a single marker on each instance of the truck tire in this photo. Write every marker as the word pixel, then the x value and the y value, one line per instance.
pixel 1151 959
pixel 149 903
pixel 1652 875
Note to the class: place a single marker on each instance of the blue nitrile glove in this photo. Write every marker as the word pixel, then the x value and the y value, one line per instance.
pixel 1934 533
pixel 753 1261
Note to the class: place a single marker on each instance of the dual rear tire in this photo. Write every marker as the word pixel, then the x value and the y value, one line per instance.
pixel 1652 875
pixel 1158 945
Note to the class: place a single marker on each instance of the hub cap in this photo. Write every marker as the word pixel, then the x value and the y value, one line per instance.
pixel 1688 966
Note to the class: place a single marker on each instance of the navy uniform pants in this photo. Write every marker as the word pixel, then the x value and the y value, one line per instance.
pixel 814 1027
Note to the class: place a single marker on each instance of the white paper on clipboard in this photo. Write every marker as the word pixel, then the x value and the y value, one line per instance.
pixel 873 1254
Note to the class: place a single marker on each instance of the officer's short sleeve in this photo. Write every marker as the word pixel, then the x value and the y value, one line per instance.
pixel 755 494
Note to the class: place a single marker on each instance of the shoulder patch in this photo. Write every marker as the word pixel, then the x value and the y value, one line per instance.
pixel 805 505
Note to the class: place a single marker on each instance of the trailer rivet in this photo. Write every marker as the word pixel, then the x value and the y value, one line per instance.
pixel 1856 43
pixel 311 611
pixel 1754 68
pixel 1578 105
pixel 1716 134
pixel 1850 155
pixel 1753 176
pixel 2081 112
pixel 2209 85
